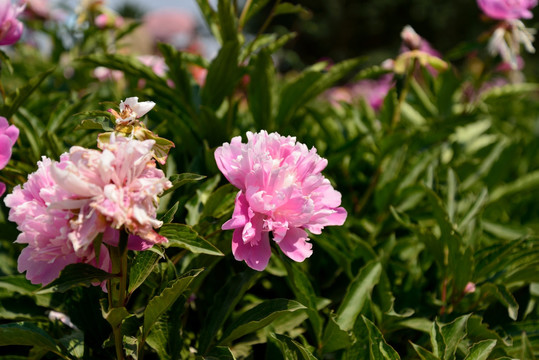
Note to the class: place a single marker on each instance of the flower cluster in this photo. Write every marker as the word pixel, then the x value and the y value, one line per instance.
pixel 64 206
pixel 282 191
pixel 8 136
pixel 10 27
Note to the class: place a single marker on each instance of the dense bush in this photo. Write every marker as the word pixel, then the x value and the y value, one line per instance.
pixel 437 165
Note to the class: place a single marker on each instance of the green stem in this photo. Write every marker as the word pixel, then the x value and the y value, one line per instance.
pixel 244 14
pixel 263 28
pixel 117 287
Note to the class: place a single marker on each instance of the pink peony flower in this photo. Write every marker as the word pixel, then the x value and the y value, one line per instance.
pixel 507 9
pixel 114 188
pixel 46 228
pixel 102 73
pixel 64 206
pixel 282 191
pixel 10 28
pixel 8 136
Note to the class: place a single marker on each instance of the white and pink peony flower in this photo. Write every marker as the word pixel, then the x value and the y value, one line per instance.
pixel 282 191
pixel 65 206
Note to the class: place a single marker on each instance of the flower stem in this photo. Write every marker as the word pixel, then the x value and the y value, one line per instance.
pixel 117 287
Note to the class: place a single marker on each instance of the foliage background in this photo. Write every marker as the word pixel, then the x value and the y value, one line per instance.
pixel 441 192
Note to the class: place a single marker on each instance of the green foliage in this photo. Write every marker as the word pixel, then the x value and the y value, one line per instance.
pixel 438 258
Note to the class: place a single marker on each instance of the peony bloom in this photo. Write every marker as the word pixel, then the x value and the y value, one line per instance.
pixel 46 228
pixel 114 188
pixel 282 191
pixel 63 207
pixel 507 9
pixel 8 136
pixel 10 27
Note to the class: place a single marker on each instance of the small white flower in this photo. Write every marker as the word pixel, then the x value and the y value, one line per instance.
pixel 131 109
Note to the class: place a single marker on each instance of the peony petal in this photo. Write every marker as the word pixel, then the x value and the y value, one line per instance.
pixel 256 255
pixel 295 245
pixel 240 217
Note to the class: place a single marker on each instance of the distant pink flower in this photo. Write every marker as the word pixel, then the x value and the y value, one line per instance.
pixel 282 191
pixel 8 136
pixel 108 20
pixel 102 74
pixel 10 28
pixel 469 288
pixel 374 91
pixel 507 9
pixel 171 26
pixel 45 228
pixel 413 41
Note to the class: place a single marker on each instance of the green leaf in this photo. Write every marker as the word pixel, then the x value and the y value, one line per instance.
pixel 259 317
pixel 169 215
pixel 335 338
pixel 18 284
pixel 310 84
pixel 255 7
pixel 75 275
pixel 481 350
pixel 223 74
pixel 219 353
pixel 178 180
pixel 178 73
pixel 94 124
pixel 227 21
pixel 452 334
pixel 291 349
pixel 505 297
pixel 224 302
pixel 423 353
pixel 288 8
pixel 220 202
pixel 523 184
pixel 357 293
pixel 260 91
pixel 210 16
pixel 378 346
pixel 159 304
pixel 29 335
pixel 14 100
pixel 114 316
pixel 180 235
pixel 142 266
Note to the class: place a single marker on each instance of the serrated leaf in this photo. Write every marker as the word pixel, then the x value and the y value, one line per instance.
pixel 224 302
pixel 29 335
pixel 378 346
pixel 291 349
pixel 357 293
pixel 75 275
pixel 184 236
pixel 259 317
pixel 481 350
pixel 142 266
pixel 159 304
